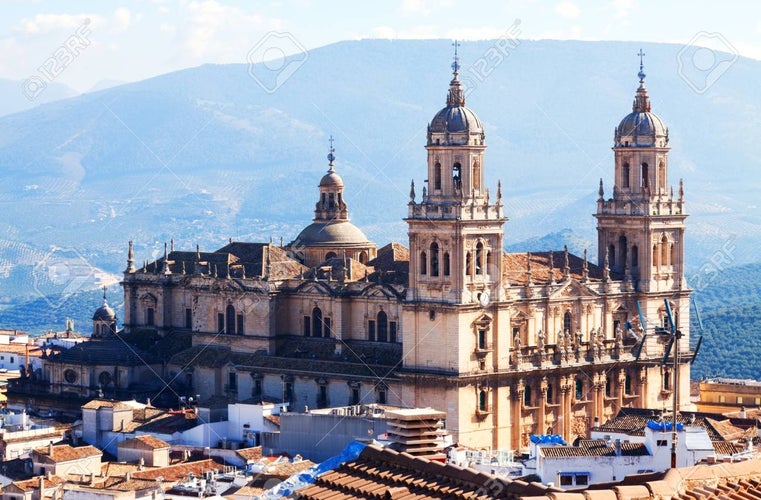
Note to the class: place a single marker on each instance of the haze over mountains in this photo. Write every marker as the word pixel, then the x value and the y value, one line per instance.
pixel 206 154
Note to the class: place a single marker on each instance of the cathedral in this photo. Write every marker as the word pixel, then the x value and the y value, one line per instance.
pixel 507 344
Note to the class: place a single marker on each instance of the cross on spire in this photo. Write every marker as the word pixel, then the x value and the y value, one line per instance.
pixel 456 63
pixel 641 73
pixel 331 155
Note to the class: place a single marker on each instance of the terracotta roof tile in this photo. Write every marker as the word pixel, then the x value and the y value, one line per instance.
pixel 144 441
pixel 253 453
pixel 67 453
pixel 516 267
pixel 174 473
pixel 594 448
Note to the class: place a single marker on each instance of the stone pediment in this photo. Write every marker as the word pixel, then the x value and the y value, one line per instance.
pixel 573 289
pixel 379 291
pixel 314 288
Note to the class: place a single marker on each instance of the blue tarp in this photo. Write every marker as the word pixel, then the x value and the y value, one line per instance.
pixel 298 481
pixel 663 426
pixel 547 439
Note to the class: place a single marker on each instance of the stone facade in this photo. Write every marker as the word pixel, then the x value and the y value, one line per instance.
pixel 506 344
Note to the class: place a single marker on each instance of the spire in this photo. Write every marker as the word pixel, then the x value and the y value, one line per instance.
pixel 412 191
pixel 601 192
pixel 566 265
pixel 331 155
pixel 130 259
pixel 105 302
pixel 166 269
pixel 455 97
pixel 641 100
pixel 606 265
pixel 585 270
pixel 681 190
pixel 499 191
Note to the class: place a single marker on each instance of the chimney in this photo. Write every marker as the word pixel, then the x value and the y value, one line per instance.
pixel 128 476
pixel 742 412
pixel 42 486
pixel 618 447
pixel 141 464
pixel 50 449
pixel 49 474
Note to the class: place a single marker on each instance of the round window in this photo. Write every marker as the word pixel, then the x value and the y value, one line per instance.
pixel 104 378
pixel 70 376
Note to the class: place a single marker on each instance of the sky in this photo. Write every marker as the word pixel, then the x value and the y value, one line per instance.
pixel 84 44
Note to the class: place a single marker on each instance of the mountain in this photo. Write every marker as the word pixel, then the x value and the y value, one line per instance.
pixel 206 154
pixel 20 95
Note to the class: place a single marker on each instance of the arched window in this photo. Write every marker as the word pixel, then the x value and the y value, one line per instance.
pixel 423 263
pixel 317 322
pixel 331 201
pixel 623 247
pixel 363 257
pixel 324 198
pixel 330 255
pixel 550 396
pixel 567 322
pixel 230 320
pixel 666 381
pixel 445 263
pixel 479 258
pixel 488 262
pixel 628 384
pixel 665 251
pixel 469 264
pixel 437 176
pixel 482 401
pixel 671 254
pixel 635 256
pixel 382 327
pixel 608 388
pixel 625 174
pixel 434 259
pixel 527 396
pixel 655 255
pixel 645 179
pixel 612 255
pixel 456 176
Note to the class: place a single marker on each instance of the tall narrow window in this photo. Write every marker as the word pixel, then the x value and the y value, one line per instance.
pixel 445 263
pixel 382 327
pixel 363 257
pixel 382 397
pixel 666 381
pixel 150 319
pixel 579 389
pixel 661 176
pixel 527 396
pixel 239 326
pixel 371 330
pixel 635 256
pixel 230 320
pixel 625 174
pixel 423 263
pixel 188 318
pixel 469 264
pixel 437 176
pixel 220 323
pixel 326 327
pixel 354 397
pixel 476 175
pixel 482 401
pixel 623 247
pixel 645 179
pixel 567 322
pixel 655 255
pixel 316 322
pixel 488 262
pixel 392 331
pixel 479 258
pixel 331 201
pixel 456 178
pixel 434 259
pixel 627 384
pixel 671 254
pixel 481 339
pixel 232 381
pixel 612 255
pixel 550 395
pixel 665 251
pixel 608 388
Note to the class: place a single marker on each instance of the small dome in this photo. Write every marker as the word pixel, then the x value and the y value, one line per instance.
pixel 104 313
pixel 455 119
pixel 341 233
pixel 331 179
pixel 641 129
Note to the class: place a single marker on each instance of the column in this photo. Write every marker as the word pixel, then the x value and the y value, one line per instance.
pixel 542 417
pixel 517 403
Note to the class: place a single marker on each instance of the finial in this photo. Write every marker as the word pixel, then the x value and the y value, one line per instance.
pixel 606 265
pixel 171 245
pixel 641 73
pixel 331 154
pixel 566 265
pixel 681 190
pixel 412 191
pixel 499 190
pixel 104 295
pixel 552 267
pixel 528 269
pixel 456 61
pixel 586 267
pixel 198 253
pixel 130 258
pixel 165 253
pixel 601 192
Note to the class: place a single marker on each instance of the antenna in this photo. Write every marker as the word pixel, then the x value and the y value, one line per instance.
pixel 673 341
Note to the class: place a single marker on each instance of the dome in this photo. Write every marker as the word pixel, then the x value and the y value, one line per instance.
pixel 456 118
pixel 331 180
pixel 104 313
pixel 641 129
pixel 341 233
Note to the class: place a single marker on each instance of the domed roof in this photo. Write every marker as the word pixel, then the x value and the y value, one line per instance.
pixel 331 179
pixel 104 313
pixel 641 127
pixel 456 119
pixel 341 233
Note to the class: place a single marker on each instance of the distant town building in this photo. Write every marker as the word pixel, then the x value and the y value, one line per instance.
pixel 721 395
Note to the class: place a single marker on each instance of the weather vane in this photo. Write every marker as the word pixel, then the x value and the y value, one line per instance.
pixel 641 73
pixel 456 63
pixel 331 155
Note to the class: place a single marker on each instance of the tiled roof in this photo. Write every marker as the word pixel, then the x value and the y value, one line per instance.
pixel 392 264
pixel 727 448
pixel 144 441
pixel 67 453
pixel 516 267
pixel 383 473
pixel 254 453
pixel 34 483
pixel 632 421
pixel 33 350
pixel 105 352
pixel 96 404
pixel 174 473
pixel 595 448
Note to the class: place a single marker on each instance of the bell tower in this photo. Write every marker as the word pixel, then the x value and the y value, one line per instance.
pixel 455 230
pixel 640 228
